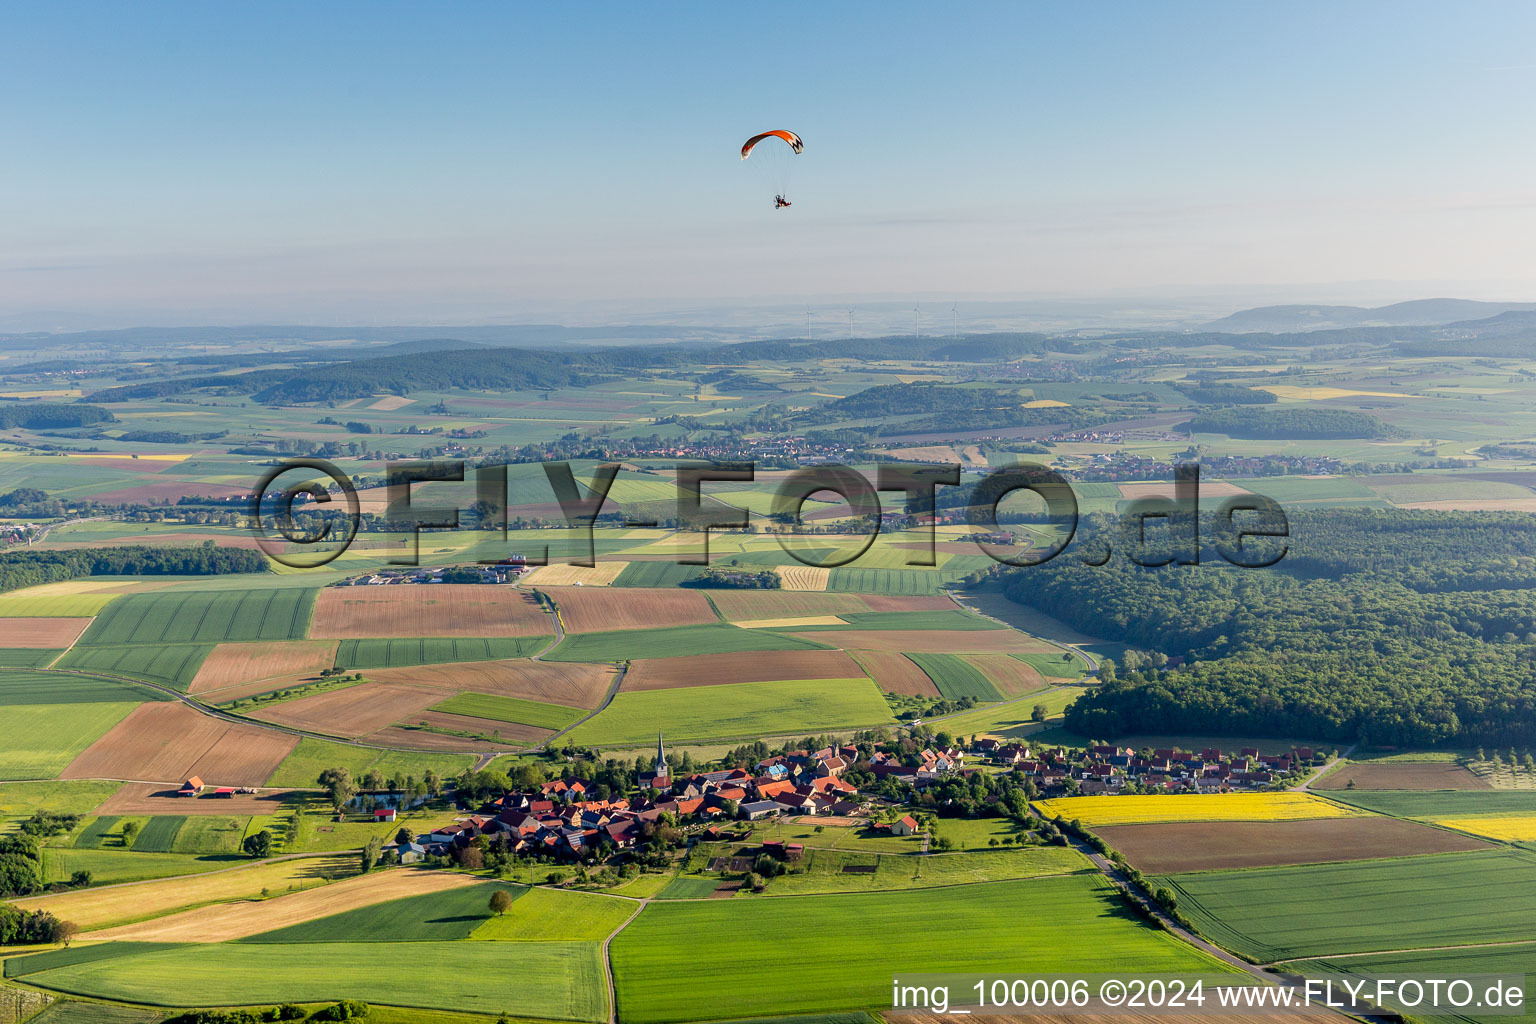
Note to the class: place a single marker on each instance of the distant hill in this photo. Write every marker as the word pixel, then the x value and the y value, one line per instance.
pixel 1417 313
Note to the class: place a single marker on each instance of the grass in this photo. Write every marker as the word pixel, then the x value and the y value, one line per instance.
pixel 67 688
pixel 1363 906
pixel 1055 665
pixel 42 739
pixel 1439 803
pixel 716 638
pixel 912 582
pixel 511 709
pixel 203 616
pixel 689 887
pixel 211 833
pixel 175 665
pixel 409 652
pixel 445 916
pixel 95 834
pixel 555 980
pixel 313 756
pixel 116 865
pixel 1012 927
pixel 23 799
pixel 159 836
pixel 554 915
pixel 956 677
pixel 656 574
pixel 1138 810
pixel 26 657
pixel 821 871
pixel 734 710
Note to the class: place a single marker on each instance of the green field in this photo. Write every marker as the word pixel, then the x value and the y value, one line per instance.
pixel 70 1011
pixel 956 677
pixel 1013 719
pixel 1442 963
pixel 1054 665
pixel 656 574
pixel 210 833
pixel 159 836
pixel 68 688
pixel 26 657
pixel 1439 803
pixel 312 756
pixel 511 709
pixel 41 739
pixel 431 917
pixel 696 713
pixel 94 834
pixel 20 967
pixel 204 616
pixel 21 799
pixel 718 638
pixel 555 980
pixel 553 915
pixel 822 871
pixel 689 887
pixel 946 619
pixel 1013 927
pixel 910 582
pixel 20 605
pixel 1361 906
pixel 117 865
pixel 173 665
pixel 407 653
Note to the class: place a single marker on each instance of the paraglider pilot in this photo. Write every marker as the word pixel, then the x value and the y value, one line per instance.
pixel 779 202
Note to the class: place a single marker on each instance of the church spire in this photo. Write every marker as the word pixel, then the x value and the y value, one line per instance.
pixel 661 758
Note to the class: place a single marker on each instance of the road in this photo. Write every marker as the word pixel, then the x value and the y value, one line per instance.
pixel 42 534
pixel 613 1001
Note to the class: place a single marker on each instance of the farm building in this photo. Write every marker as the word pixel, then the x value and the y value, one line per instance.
pixel 192 787
pixel 906 825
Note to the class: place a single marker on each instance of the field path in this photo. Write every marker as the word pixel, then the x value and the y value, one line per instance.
pixel 1306 784
pixel 613 1002
pixel 195 874
pixel 618 681
pixel 1394 952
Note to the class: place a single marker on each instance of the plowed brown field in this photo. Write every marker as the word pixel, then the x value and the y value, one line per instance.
pixel 1210 845
pixel 1401 776
pixel 1009 675
pixel 428 610
pixel 352 711
pixel 745 667
pixel 896 673
pixel 153 798
pixel 231 664
pixel 586 610
pixel 169 742
pixel 42 633
pixel 513 734
pixel 888 603
pixel 945 641
pixel 744 605
pixel 569 683
pixel 422 739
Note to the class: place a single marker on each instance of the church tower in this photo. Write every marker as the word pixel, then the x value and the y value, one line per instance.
pixel 662 771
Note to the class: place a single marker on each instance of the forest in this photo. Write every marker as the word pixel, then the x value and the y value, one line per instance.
pixel 1280 424
pixel 1388 626
pixel 29 568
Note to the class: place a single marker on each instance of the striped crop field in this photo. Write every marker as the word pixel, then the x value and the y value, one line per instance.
pixel 1138 810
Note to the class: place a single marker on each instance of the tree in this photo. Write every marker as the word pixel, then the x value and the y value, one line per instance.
pixel 130 832
pixel 338 785
pixel 65 931
pixel 1039 713
pixel 373 779
pixel 403 836
pixel 501 902
pixel 371 853
pixel 258 845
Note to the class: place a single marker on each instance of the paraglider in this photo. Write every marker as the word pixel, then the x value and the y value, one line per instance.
pixel 775 160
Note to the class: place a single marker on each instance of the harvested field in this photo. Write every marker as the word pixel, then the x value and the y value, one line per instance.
pixel 1157 489
pixel 169 742
pixel 1401 776
pixel 43 633
pixel 803 577
pixel 570 683
pixel 896 673
pixel 149 494
pixel 1205 846
pixel 602 611
pixel 793 622
pixel 231 664
pixel 240 691
pixel 426 740
pixel 747 605
pixel 746 667
pixel 351 711
pixel 99 907
pixel 424 610
pixel 890 603
pixel 227 921
pixel 390 403
pixel 600 575
pixel 942 641
pixel 1010 675
pixel 154 798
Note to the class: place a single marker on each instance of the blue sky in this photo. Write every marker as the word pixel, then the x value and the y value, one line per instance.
pixel 389 161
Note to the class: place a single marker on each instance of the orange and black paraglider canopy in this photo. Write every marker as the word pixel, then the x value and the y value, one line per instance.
pixel 790 137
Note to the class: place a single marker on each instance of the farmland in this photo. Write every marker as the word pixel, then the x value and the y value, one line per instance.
pixel 44 633
pixel 734 710
pixel 896 673
pixel 746 667
pixel 27 657
pixel 1513 828
pixel 956 678
pixel 171 742
pixel 1094 811
pixel 351 711
pixel 180 616
pixel 719 638
pixel 229 664
pixel 1361 906
pixel 174 665
pixel 405 653
pixel 550 915
pixel 556 980
pixel 745 605
pixel 1512 960
pixel 312 756
pixel 431 907
pixel 1010 926
pixel 43 739
pixel 826 871
pixel 511 709
pixel 575 685
pixel 1444 804
pixel 1405 776
pixel 1204 846
pixel 584 610
pixel 937 641
pixel 439 610
pixel 69 688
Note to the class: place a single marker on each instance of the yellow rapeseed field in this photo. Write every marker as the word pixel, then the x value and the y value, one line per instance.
pixel 1141 810
pixel 1519 828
